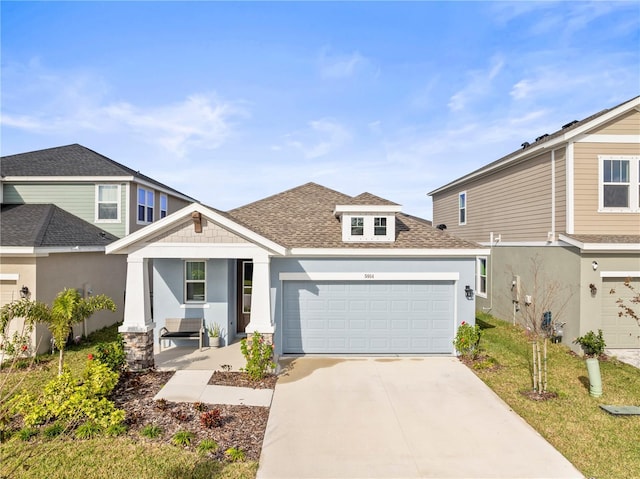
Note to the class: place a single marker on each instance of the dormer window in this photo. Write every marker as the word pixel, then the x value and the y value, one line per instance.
pixel 357 226
pixel 368 223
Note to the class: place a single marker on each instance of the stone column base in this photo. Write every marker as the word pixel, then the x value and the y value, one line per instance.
pixel 138 348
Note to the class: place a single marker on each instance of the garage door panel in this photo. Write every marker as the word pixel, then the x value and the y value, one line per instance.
pixel 368 317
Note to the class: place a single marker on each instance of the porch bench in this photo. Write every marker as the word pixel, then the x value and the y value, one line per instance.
pixel 182 328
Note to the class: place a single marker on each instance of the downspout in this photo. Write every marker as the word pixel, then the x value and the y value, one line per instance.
pixel 553 195
pixel 570 176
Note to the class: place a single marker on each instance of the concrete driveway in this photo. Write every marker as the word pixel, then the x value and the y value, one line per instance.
pixel 422 417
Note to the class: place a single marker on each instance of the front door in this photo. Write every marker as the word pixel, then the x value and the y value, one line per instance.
pixel 244 289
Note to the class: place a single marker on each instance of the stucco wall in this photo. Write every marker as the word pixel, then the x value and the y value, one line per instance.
pixel 556 265
pixel 465 309
pixel 104 274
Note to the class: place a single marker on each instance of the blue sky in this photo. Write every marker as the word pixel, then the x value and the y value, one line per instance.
pixel 230 102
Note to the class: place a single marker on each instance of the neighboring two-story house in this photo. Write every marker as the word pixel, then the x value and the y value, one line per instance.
pixel 567 203
pixel 60 208
pixel 313 269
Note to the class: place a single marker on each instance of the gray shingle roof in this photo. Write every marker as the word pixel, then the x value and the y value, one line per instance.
pixel 303 217
pixel 46 225
pixel 70 160
pixel 607 239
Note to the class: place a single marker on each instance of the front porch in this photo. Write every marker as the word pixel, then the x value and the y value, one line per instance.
pixel 189 358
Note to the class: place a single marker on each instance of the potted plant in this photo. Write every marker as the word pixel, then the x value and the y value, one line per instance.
pixel 593 346
pixel 215 332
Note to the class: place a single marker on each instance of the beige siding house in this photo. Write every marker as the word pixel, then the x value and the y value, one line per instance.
pixel 567 204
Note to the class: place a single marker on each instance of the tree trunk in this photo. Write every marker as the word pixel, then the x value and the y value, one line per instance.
pixel 60 362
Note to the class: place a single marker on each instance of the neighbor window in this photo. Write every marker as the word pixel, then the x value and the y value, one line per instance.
pixel 107 203
pixel 195 281
pixel 145 205
pixel 357 226
pixel 620 183
pixel 163 206
pixel 380 226
pixel 462 208
pixel 481 282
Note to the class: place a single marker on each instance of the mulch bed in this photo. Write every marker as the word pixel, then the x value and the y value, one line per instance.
pixel 539 396
pixel 228 378
pixel 241 427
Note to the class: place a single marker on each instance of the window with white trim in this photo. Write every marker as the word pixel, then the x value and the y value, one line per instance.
pixel 164 202
pixel 619 183
pixel 145 205
pixel 462 208
pixel 481 277
pixel 195 281
pixel 380 226
pixel 107 203
pixel 357 226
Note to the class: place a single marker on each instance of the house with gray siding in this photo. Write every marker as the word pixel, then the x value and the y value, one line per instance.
pixel 60 208
pixel 312 269
pixel 564 208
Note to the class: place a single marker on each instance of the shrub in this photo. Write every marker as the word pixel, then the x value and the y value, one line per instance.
pixel 53 430
pixel 235 454
pixel 467 341
pixel 211 419
pixel 593 345
pixel 26 433
pixel 88 430
pixel 259 356
pixel 63 398
pixel 151 431
pixel 112 354
pixel 182 438
pixel 199 406
pixel 116 430
pixel 207 445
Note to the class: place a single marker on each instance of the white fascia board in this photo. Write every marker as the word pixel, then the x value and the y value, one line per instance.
pixel 620 274
pixel 601 247
pixel 199 251
pixel 535 150
pixel 17 251
pixel 164 224
pixel 9 276
pixel 370 276
pixel 389 252
pixel 69 179
pixel 367 209
pixel 609 139
pixel 522 243
pixel 159 188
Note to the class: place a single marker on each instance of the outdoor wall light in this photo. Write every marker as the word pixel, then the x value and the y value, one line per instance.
pixel 24 292
pixel 594 265
pixel 468 292
pixel 593 289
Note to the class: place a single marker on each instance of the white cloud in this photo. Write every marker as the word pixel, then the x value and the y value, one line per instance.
pixel 322 137
pixel 50 103
pixel 479 85
pixel 337 66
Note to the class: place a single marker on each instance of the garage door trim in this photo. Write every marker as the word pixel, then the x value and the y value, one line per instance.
pixel 369 276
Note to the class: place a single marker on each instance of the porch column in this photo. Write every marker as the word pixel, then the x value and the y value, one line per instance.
pixel 260 319
pixel 137 328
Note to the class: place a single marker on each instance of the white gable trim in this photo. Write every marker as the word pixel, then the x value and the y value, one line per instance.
pixel 388 252
pixel 609 139
pixel 136 240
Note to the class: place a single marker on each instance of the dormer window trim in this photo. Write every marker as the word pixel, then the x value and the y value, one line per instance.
pixel 368 228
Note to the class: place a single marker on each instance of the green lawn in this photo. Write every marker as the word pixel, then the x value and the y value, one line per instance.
pixel 104 457
pixel 600 445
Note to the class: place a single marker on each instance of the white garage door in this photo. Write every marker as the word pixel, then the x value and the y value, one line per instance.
pixel 618 332
pixel 368 317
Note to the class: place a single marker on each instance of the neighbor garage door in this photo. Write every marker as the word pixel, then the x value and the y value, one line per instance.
pixel 368 317
pixel 618 332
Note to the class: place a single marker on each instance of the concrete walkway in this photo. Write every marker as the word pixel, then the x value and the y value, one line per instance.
pixel 398 418
pixel 191 386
